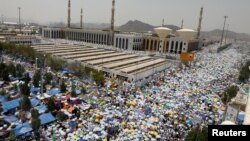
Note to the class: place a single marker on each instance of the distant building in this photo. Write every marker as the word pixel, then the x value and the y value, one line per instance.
pixel 22 39
pixel 2 39
pixel 173 44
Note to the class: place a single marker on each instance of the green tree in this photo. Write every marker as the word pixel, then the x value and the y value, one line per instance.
pixel 4 73
pixel 11 137
pixel 83 89
pixel 229 93
pixel 51 104
pixel 63 87
pixel 48 77
pixel 35 123
pixel 1 109
pixel 61 116
pixel 37 78
pixel 99 78
pixel 24 89
pixel 73 93
pixel 25 103
pixel 2 92
pixel 197 134
pixel 12 69
pixel 34 113
pixel 27 78
pixel 244 72
pixel 19 70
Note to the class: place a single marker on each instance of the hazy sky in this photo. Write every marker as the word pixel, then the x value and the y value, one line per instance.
pixel 149 11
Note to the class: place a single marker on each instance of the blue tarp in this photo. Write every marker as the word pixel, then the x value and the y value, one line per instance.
pixel 41 109
pixel 46 118
pixel 72 124
pixel 22 129
pixel 11 104
pixel 54 91
pixel 148 110
pixel 34 90
pixel 67 70
pixel 2 99
pixel 10 119
pixel 78 91
pixel 241 116
pixel 34 102
pixel 81 139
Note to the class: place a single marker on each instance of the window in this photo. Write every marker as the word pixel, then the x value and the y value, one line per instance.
pixel 116 42
pixel 172 45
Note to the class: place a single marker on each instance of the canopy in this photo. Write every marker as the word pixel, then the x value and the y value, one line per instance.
pixel 227 122
pixel 241 116
pixel 34 102
pixel 54 91
pixel 10 119
pixel 67 70
pixel 2 99
pixel 11 104
pixel 34 90
pixel 46 118
pixel 22 129
pixel 41 109
pixel 72 123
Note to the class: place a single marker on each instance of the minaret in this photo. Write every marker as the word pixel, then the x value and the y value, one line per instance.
pixel 199 26
pixel 2 19
pixel 162 23
pixel 182 24
pixel 81 19
pixel 112 32
pixel 69 14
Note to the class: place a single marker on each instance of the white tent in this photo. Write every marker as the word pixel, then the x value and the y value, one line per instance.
pixel 227 122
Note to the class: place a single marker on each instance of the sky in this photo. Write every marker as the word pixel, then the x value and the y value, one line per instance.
pixel 148 11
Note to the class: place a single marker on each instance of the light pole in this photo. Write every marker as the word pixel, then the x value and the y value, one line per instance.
pixel 36 64
pixel 226 34
pixel 19 10
pixel 225 18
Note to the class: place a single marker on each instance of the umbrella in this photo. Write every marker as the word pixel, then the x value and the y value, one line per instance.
pixel 54 136
pixel 72 123
pixel 96 129
pixel 241 116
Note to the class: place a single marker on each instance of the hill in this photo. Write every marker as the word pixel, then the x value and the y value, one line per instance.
pixel 216 35
pixel 138 26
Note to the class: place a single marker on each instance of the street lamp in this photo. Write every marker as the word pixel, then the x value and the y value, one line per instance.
pixel 36 64
pixel 19 10
pixel 226 34
pixel 225 18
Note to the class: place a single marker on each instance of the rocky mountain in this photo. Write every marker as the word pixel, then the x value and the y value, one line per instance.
pixel 216 35
pixel 138 26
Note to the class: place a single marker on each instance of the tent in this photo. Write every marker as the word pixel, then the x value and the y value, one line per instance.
pixel 2 99
pixel 54 91
pixel 41 109
pixel 148 110
pixel 10 104
pixel 43 96
pixel 10 119
pixel 34 90
pixel 46 118
pixel 241 116
pixel 22 129
pixel 227 122
pixel 72 124
pixel 67 70
pixel 34 102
